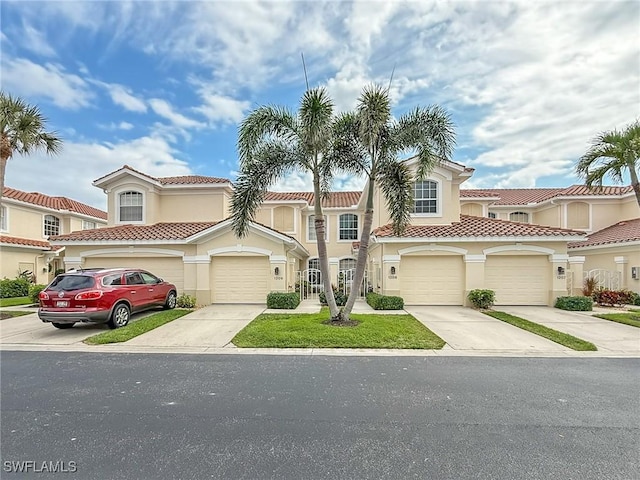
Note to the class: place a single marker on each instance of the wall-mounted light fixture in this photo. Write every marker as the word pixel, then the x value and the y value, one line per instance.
pixel 276 271
pixel 560 270
pixel 393 270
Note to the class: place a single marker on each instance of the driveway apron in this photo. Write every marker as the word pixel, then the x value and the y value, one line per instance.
pixel 210 326
pixel 606 335
pixel 467 329
pixel 30 330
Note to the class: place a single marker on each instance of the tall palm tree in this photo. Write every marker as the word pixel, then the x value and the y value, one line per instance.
pixel 381 139
pixel 22 131
pixel 273 142
pixel 613 154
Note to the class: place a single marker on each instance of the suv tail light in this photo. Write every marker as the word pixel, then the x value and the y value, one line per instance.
pixel 43 295
pixel 90 295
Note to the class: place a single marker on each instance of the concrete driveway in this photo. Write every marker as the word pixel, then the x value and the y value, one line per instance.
pixel 210 326
pixel 465 329
pixel 607 336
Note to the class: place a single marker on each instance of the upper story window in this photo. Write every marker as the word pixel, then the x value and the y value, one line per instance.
pixel 51 225
pixel 492 215
pixel 130 206
pixel 311 230
pixel 348 227
pixel 521 217
pixel 347 264
pixel 425 196
pixel 3 218
pixel 88 225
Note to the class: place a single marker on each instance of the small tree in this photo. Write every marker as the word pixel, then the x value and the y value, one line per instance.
pixel 613 154
pixel 22 131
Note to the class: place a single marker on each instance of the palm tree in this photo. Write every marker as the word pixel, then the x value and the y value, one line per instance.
pixel 273 142
pixel 22 128
pixel 613 154
pixel 381 139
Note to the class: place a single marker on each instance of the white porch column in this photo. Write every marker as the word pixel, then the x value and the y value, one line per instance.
pixel 391 274
pixel 197 274
pixel 621 268
pixel 334 264
pixel 277 274
pixel 577 272
pixel 72 262
pixel 559 279
pixel 474 274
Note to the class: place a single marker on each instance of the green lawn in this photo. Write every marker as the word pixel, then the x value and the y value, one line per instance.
pixel 565 339
pixel 12 313
pixel 309 331
pixel 136 328
pixel 12 302
pixel 632 317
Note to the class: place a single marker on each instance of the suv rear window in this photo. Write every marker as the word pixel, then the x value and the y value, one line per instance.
pixel 72 282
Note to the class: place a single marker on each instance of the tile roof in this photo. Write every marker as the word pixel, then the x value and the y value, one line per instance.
pixel 26 242
pixel 477 227
pixel 524 196
pixel 55 203
pixel 335 199
pixel 621 232
pixel 177 180
pixel 157 231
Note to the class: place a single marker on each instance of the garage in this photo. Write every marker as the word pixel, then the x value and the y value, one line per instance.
pixel 170 269
pixel 239 279
pixel 518 279
pixel 432 280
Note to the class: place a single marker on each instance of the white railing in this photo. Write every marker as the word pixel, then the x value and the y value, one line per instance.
pixel 606 279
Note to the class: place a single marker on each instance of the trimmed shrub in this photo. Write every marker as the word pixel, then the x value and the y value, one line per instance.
pixel 384 302
pixel 576 304
pixel 283 300
pixel 590 285
pixel 603 296
pixel 34 290
pixel 636 299
pixel 341 298
pixel 482 299
pixel 18 287
pixel 186 301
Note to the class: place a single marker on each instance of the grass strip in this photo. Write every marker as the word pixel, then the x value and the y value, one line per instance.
pixel 569 341
pixel 136 328
pixel 12 313
pixel 12 302
pixel 302 330
pixel 627 318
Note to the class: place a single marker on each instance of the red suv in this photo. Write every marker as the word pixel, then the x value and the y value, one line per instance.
pixel 100 295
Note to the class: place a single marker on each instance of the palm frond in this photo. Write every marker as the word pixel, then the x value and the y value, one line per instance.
pixel 396 183
pixel 271 162
pixel 315 114
pixel 346 154
pixel 374 116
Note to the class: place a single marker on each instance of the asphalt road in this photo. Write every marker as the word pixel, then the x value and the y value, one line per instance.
pixel 108 416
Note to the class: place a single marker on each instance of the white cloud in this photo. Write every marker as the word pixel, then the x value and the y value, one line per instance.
pixel 117 126
pixel 219 108
pixel 27 79
pixel 33 40
pixel 164 109
pixel 122 96
pixel 71 172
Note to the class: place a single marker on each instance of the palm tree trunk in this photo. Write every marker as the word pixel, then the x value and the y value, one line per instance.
pixel 634 182
pixel 363 252
pixel 5 154
pixel 322 251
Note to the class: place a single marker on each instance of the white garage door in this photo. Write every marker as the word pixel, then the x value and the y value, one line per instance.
pixel 239 279
pixel 518 280
pixel 170 269
pixel 432 280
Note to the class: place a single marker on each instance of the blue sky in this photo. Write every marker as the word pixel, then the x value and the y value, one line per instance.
pixel 162 86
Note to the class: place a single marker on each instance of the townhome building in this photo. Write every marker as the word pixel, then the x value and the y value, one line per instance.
pixel 28 220
pixel 529 245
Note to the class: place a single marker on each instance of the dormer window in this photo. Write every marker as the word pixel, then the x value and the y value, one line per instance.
pixel 425 196
pixel 130 206
pixel 521 217
pixel 51 225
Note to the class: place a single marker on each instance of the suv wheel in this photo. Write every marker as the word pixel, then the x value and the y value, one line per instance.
pixel 120 316
pixel 63 325
pixel 171 301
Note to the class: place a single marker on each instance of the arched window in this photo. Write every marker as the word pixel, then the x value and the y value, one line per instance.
pixel 425 195
pixel 348 227
pixel 130 206
pixel 521 217
pixel 347 264
pixel 51 225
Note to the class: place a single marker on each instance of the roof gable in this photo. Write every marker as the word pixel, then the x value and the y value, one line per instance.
pixel 161 181
pixel 527 196
pixel 622 232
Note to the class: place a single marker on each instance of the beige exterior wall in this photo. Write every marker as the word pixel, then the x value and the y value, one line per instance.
pixel 616 259
pixel 15 260
pixel 190 207
pixel 549 216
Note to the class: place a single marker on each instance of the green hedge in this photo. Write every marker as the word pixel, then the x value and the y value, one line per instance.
pixel 578 304
pixel 34 291
pixel 482 299
pixel 384 302
pixel 18 287
pixel 341 298
pixel 283 300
